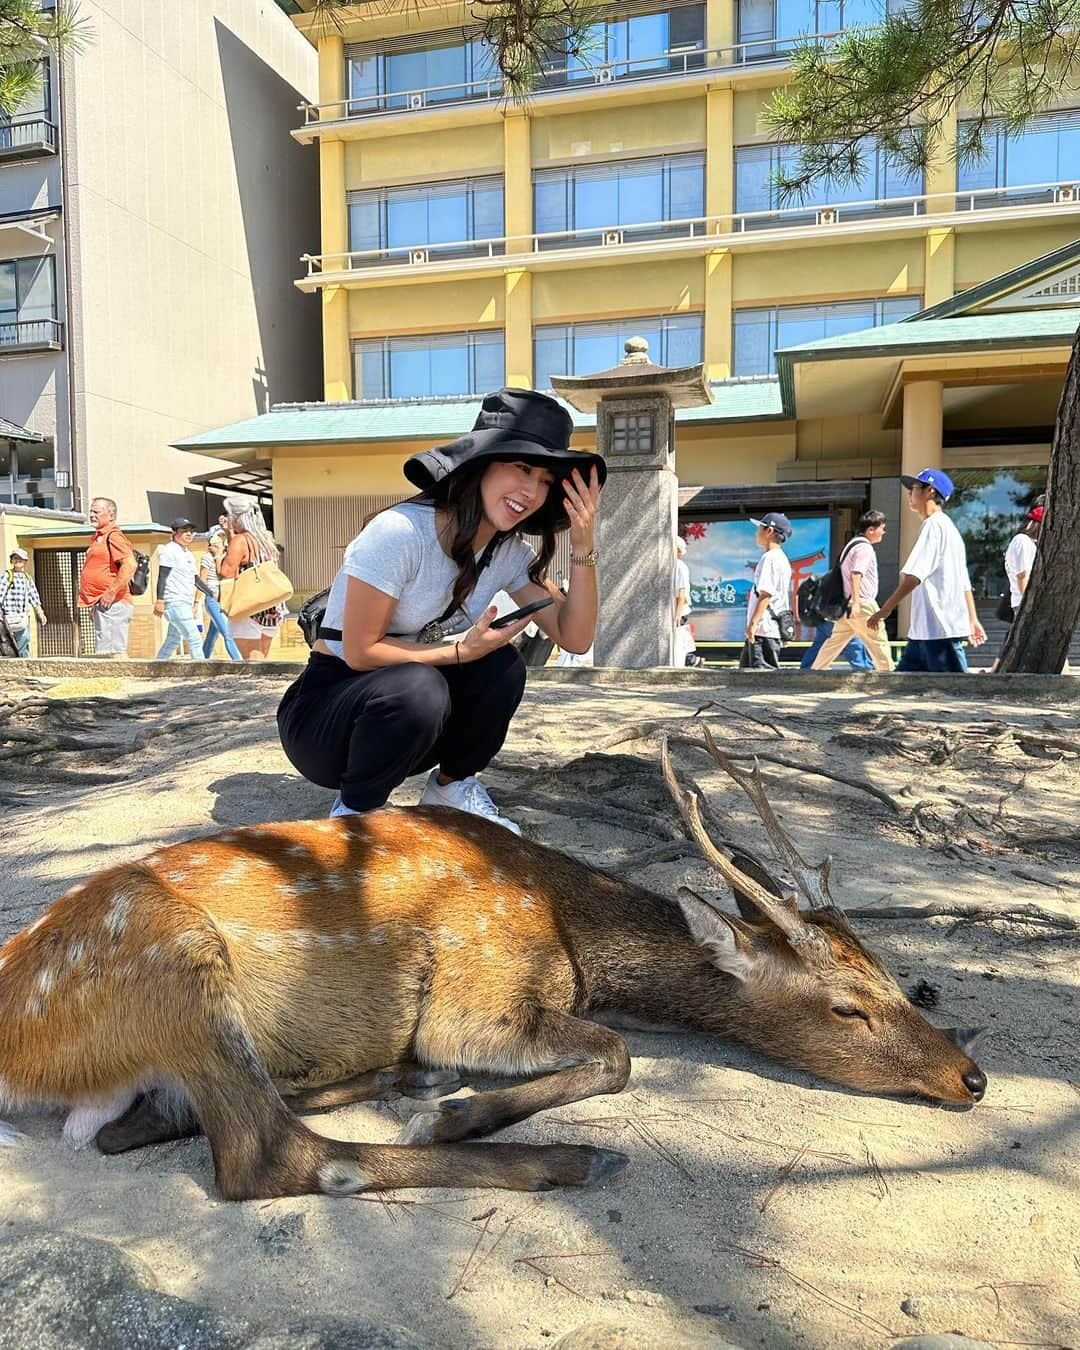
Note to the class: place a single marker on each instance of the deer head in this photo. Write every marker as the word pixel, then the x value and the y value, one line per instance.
pixel 814 996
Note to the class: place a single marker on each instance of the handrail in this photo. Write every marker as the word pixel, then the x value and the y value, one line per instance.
pixel 9 140
pixel 693 60
pixel 29 332
pixel 690 227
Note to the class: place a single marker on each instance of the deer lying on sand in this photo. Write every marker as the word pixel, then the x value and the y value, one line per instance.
pixel 340 960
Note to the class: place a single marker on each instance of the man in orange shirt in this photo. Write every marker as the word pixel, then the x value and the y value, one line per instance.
pixel 103 585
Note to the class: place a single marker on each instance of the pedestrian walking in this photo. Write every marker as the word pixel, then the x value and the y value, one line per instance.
pixel 19 599
pixel 250 542
pixel 684 649
pixel 770 594
pixel 103 583
pixel 408 673
pixel 859 570
pixel 855 653
pixel 1019 560
pixel 175 595
pixel 935 575
pixel 208 584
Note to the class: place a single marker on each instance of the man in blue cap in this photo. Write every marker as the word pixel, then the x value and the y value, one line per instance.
pixel 935 575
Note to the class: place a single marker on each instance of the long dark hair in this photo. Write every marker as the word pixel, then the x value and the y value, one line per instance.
pixel 463 500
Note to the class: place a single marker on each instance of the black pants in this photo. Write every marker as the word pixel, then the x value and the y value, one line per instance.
pixel 364 732
pixel 761 654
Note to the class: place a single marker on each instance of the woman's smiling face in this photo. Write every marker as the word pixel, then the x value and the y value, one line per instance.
pixel 513 490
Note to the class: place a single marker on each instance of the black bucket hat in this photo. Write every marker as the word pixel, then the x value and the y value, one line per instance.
pixel 513 424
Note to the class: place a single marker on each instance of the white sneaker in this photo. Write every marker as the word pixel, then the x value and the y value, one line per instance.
pixel 340 809
pixel 465 794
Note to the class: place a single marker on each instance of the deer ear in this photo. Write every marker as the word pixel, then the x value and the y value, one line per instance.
pixel 722 935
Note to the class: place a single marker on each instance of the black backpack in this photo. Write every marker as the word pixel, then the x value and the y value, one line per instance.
pixel 822 599
pixel 140 578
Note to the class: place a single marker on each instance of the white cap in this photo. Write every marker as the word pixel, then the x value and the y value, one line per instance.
pixel 20 553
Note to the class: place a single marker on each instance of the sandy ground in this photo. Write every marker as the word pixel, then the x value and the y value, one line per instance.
pixel 760 1207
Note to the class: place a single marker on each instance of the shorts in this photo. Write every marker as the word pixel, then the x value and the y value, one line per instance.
pixel 111 628
pixel 249 629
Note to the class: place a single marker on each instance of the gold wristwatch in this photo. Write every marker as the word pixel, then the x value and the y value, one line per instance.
pixel 584 559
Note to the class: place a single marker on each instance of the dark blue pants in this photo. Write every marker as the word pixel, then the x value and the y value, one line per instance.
pixel 939 656
pixel 364 732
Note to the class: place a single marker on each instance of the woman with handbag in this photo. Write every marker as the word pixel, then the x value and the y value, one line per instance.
pixel 1019 560
pixel 408 672
pixel 250 545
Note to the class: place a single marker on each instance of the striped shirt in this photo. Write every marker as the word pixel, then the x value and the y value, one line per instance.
pixel 17 593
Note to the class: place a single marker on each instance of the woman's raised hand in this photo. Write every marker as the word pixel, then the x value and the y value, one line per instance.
pixel 482 639
pixel 581 502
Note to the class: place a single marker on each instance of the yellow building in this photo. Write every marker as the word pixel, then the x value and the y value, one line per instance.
pixel 468 242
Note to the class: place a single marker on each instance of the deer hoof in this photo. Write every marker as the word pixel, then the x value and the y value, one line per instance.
pixel 430 1127
pixel 607 1162
pixel 422 1084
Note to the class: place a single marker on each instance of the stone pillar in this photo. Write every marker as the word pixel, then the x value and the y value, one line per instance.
pixel 920 448
pixel 636 534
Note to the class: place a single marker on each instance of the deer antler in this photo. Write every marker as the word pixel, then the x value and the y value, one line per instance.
pixel 811 879
pixel 802 937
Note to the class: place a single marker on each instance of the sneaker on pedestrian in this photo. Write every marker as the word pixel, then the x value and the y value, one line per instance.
pixel 465 794
pixel 338 808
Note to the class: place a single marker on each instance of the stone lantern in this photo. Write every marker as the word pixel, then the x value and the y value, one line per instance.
pixel 635 406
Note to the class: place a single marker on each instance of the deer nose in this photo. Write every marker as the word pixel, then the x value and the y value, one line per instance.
pixel 975 1082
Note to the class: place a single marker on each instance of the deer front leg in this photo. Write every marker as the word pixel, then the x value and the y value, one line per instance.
pixel 582 1059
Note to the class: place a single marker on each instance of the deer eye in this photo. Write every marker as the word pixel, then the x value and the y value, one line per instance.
pixel 846 1010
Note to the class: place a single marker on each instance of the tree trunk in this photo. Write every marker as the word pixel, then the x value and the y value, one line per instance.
pixel 1038 641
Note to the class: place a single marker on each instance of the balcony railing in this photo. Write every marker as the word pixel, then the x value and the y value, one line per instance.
pixel 27 335
pixel 27 137
pixel 703 229
pixel 677 61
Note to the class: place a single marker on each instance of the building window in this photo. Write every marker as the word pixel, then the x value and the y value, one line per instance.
pixel 775 25
pixel 663 41
pixel 628 194
pixel 428 367
pixel 756 167
pixel 445 72
pixel 1047 150
pixel 631 431
pixel 30 122
pixel 28 302
pixel 431 216
pixel 760 333
pixel 581 348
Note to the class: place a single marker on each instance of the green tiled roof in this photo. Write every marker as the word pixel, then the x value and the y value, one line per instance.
pixel 985 291
pixel 975 332
pixel 58 531
pixel 438 419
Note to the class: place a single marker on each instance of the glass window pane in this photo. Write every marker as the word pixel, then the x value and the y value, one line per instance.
pixel 648 40
pixel 447 216
pixel 596 201
pixel 848 318
pixel 899 307
pixel 487 211
pixel 794 17
pixel 593 53
pixel 640 196
pixel 753 178
pixel 753 349
pixel 682 340
pixel 35 285
pixel 364 230
pixel 364 80
pixel 686 189
pixel 489 362
pixel 406 219
pixel 862 13
pixel 368 371
pixel 595 347
pixel 8 297
pixel 980 173
pixel 549 354
pixel 755 20
pixel 550 202
pixel 448 366
pixel 686 27
pixel 1032 157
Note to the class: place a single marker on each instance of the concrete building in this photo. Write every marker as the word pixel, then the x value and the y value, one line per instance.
pixel 466 242
pixel 152 206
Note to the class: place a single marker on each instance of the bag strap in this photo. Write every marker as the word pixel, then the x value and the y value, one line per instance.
pixel 336 635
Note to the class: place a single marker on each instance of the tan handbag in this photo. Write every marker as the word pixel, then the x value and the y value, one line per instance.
pixel 258 587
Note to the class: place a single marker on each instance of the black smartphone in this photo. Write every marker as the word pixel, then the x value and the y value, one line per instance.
pixel 522 612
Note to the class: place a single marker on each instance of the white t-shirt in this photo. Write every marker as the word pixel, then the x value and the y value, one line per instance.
pixel 180 583
pixel 772 576
pixel 1019 557
pixel 939 560
pixel 399 553
pixel 682 582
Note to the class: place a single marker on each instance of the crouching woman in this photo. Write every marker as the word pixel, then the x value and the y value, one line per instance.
pixel 408 674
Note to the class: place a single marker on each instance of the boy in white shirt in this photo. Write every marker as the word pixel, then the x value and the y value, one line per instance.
pixel 935 575
pixel 770 596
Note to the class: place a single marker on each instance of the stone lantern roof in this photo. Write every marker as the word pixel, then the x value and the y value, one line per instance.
pixel 685 386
